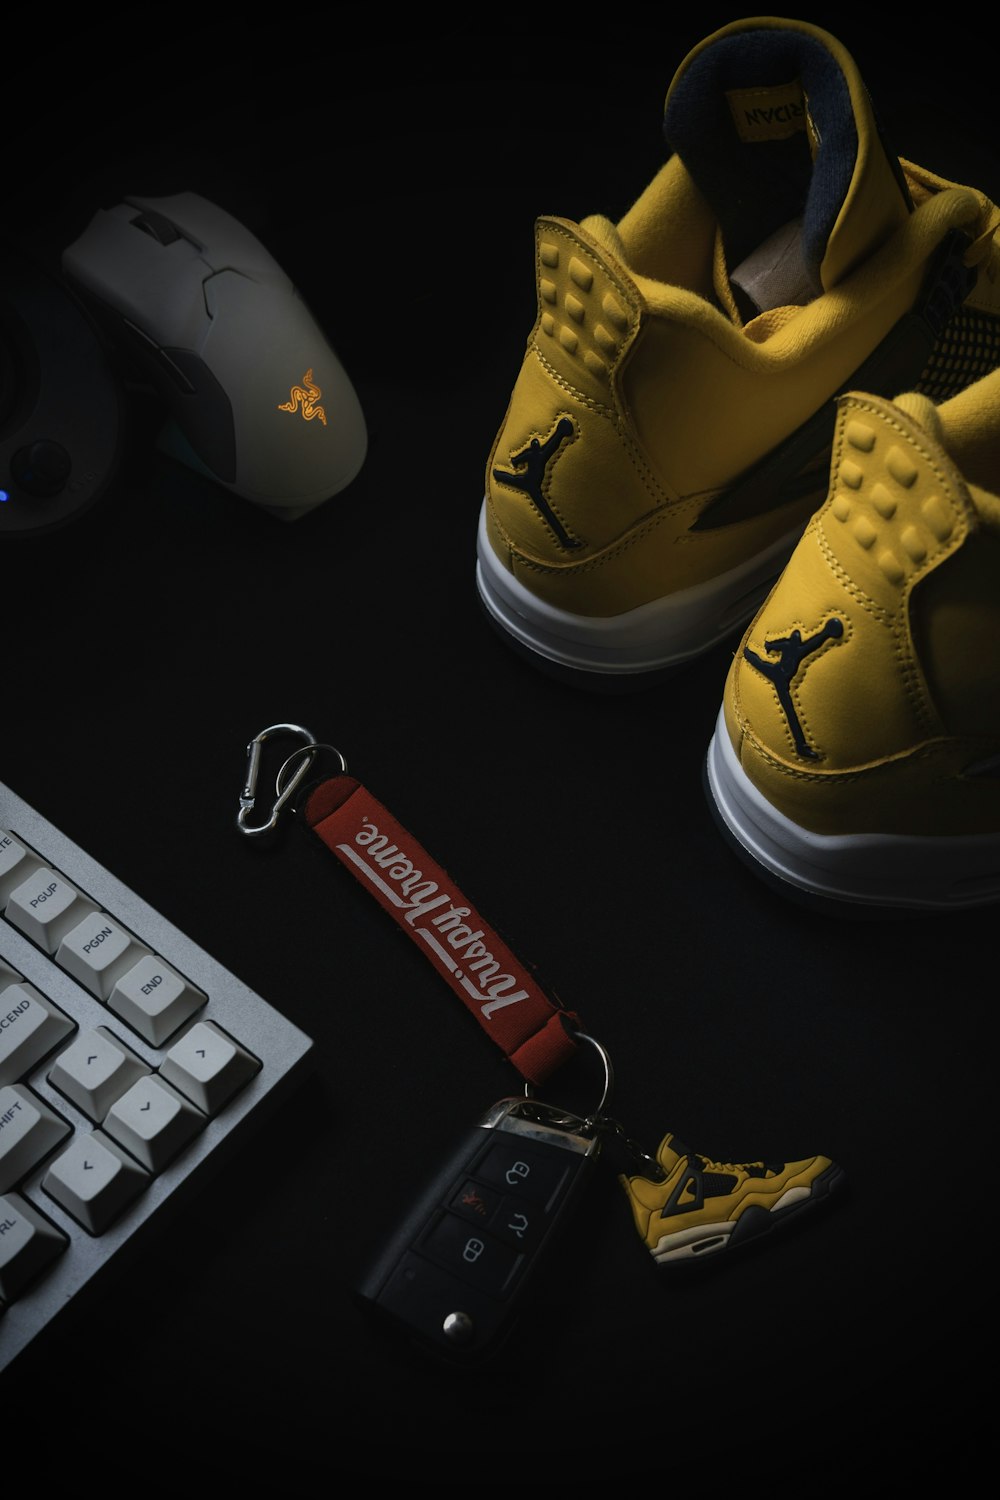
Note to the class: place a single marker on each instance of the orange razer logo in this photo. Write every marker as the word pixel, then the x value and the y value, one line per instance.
pixel 304 398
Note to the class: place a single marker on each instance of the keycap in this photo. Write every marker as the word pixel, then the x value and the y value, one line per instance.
pixel 207 1066
pixel 46 907
pixel 30 1027
pixel 94 1179
pixel 95 1070
pixel 98 952
pixel 28 1132
pixel 153 1122
pixel 28 1244
pixel 155 1000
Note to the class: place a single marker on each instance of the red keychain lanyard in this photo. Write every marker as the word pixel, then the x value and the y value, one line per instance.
pixel 533 1030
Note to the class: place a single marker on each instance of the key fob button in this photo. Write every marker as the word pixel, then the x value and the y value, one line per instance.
pixel 516 1221
pixel 476 1202
pixel 473 1254
pixel 524 1167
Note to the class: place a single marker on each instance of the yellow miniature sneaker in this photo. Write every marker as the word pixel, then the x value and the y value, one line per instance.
pixel 668 436
pixel 856 758
pixel 701 1207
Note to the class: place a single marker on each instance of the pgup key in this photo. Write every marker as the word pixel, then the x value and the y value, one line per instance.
pixel 455 1275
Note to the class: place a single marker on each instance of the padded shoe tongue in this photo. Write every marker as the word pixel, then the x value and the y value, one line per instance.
pixel 775 126
pixel 921 409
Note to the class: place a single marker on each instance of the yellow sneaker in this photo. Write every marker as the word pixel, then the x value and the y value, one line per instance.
pixel 668 435
pixel 856 757
pixel 701 1207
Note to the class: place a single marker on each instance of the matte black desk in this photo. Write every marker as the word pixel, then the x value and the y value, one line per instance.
pixel 143 651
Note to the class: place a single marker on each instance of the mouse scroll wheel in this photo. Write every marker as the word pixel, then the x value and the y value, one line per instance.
pixel 156 225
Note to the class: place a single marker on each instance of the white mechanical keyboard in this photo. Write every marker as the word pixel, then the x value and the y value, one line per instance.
pixel 128 1059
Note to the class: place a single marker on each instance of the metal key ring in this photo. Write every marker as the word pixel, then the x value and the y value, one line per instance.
pixel 310 750
pixel 609 1079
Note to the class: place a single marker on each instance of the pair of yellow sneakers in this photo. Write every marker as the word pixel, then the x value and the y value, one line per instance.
pixel 771 394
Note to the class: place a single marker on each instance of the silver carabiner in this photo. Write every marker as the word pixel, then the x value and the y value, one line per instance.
pixel 283 791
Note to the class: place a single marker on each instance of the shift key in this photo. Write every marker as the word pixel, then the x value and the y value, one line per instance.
pixel 29 1130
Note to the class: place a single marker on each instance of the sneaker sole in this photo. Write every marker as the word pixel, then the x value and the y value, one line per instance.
pixel 865 872
pixel 631 650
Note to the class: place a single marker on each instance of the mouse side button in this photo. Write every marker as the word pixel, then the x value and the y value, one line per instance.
pixel 204 412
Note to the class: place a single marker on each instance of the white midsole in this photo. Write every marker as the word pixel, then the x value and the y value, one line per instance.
pixel 652 637
pixel 688 1244
pixel 902 870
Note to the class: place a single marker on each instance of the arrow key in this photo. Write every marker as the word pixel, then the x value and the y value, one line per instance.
pixel 208 1066
pixel 153 1122
pixel 94 1180
pixel 94 1070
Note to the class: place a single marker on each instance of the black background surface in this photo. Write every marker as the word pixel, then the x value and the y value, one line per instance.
pixel 397 177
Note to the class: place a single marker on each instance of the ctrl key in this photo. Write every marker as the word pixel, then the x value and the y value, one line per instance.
pixel 28 1245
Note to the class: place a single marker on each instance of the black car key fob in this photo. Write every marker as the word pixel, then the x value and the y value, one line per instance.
pixel 456 1272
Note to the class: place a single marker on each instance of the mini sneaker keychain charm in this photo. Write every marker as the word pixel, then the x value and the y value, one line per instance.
pixel 454 1273
pixel 699 1207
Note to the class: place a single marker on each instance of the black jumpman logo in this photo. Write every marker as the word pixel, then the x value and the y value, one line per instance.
pixel 533 460
pixel 792 651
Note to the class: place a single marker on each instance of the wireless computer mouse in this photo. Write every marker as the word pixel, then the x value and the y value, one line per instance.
pixel 260 401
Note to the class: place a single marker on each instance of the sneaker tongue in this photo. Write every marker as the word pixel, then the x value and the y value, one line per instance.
pixel 605 233
pixel 775 126
pixel 922 411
